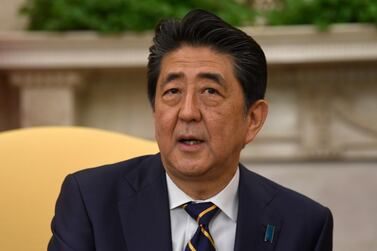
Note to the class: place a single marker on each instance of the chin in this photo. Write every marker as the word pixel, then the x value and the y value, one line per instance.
pixel 187 165
pixel 191 169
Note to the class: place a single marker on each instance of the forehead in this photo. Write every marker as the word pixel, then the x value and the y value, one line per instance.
pixel 192 59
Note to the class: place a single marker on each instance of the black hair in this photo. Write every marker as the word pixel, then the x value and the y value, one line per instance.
pixel 201 28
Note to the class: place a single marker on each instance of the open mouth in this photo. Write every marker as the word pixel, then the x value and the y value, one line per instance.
pixel 190 141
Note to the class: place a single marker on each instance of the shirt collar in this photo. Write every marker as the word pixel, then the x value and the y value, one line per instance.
pixel 226 199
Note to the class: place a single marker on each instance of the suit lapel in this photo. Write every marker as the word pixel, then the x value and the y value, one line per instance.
pixel 145 212
pixel 254 214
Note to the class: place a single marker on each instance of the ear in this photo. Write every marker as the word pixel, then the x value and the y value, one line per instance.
pixel 256 116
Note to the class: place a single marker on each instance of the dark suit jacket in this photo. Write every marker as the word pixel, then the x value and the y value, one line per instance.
pixel 124 206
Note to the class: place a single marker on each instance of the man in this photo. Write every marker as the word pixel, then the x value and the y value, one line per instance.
pixel 206 84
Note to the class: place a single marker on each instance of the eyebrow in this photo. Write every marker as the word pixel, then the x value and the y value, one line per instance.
pixel 172 76
pixel 215 77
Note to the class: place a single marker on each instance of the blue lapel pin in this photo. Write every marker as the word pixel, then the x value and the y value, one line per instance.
pixel 269 234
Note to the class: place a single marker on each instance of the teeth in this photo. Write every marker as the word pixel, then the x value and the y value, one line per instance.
pixel 191 142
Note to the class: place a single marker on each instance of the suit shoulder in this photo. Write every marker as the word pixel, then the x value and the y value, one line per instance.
pixel 111 172
pixel 286 198
pixel 306 222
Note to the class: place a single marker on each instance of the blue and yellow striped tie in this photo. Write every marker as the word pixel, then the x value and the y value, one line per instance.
pixel 203 214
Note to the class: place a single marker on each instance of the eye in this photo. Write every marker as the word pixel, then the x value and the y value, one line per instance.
pixel 171 91
pixel 211 91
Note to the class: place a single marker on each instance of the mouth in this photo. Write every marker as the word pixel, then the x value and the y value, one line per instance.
pixel 190 141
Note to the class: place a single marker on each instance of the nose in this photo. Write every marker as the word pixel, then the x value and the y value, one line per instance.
pixel 189 110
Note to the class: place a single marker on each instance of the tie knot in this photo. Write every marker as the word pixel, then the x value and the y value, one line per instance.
pixel 201 212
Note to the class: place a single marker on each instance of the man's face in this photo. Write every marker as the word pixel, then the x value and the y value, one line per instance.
pixel 200 123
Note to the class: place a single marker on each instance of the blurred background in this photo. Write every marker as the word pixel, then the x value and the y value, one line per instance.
pixel 83 63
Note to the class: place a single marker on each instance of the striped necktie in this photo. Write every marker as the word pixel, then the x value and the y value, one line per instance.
pixel 203 214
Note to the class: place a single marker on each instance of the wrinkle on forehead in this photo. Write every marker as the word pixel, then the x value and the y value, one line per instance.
pixel 184 62
pixel 212 76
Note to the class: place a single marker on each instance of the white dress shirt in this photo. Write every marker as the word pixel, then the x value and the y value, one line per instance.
pixel 222 227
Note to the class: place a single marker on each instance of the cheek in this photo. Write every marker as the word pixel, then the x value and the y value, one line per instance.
pixel 227 126
pixel 164 121
pixel 224 117
pixel 219 126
